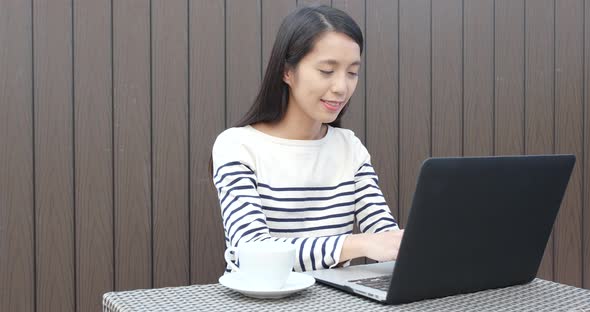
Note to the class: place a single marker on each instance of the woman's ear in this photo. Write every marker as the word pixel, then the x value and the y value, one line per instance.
pixel 288 75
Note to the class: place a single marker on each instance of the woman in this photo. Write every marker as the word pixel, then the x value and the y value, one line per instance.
pixel 287 171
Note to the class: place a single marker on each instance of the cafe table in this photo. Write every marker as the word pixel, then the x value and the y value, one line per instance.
pixel 539 295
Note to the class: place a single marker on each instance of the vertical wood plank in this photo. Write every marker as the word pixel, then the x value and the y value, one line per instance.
pixel 478 77
pixel 243 70
pixel 382 96
pixel 509 69
pixel 17 233
pixel 131 74
pixel 569 16
pixel 354 118
pixel 586 188
pixel 313 2
pixel 382 106
pixel 447 74
pixel 54 163
pixel 207 120
pixel 93 152
pixel 539 95
pixel 171 250
pixel 415 95
pixel 273 13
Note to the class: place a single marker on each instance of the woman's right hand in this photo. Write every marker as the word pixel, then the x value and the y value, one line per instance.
pixel 377 246
pixel 383 246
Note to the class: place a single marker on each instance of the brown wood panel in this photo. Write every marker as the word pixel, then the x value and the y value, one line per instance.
pixel 17 211
pixel 273 13
pixel 447 74
pixel 382 96
pixel 54 158
pixel 539 96
pixel 93 152
pixel 586 188
pixel 569 40
pixel 171 243
pixel 77 150
pixel 354 119
pixel 207 119
pixel 415 95
pixel 243 57
pixel 312 2
pixel 478 77
pixel 509 75
pixel 132 151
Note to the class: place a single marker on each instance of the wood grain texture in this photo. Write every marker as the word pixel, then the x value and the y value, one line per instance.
pixel 539 95
pixel 569 16
pixel 586 188
pixel 54 158
pixel 243 69
pixel 171 242
pixel 207 120
pixel 415 96
pixel 509 75
pixel 313 2
pixel 447 75
pixel 382 96
pixel 272 15
pixel 132 144
pixel 88 99
pixel 93 152
pixel 478 77
pixel 17 238
pixel 354 119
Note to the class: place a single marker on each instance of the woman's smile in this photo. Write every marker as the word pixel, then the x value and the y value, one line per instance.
pixel 332 105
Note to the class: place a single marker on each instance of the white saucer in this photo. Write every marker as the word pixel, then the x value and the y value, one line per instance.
pixel 295 283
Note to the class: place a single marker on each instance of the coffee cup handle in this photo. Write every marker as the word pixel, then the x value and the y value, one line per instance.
pixel 229 260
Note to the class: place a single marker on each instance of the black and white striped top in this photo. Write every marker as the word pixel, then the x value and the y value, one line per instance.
pixel 307 192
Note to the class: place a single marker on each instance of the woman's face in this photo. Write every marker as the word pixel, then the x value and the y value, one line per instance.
pixel 325 79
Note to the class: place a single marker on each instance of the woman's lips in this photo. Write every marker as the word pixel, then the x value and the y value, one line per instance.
pixel 332 105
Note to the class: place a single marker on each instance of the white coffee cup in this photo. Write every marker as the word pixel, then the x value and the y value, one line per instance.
pixel 263 265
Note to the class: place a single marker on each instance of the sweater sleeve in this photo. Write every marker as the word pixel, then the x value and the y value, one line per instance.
pixel 371 211
pixel 241 209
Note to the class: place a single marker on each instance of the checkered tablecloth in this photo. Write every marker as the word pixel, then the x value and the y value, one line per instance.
pixel 539 295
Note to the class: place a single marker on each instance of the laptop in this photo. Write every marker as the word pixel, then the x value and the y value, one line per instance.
pixel 475 223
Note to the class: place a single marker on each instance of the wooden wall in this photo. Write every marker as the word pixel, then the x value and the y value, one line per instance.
pixel 108 110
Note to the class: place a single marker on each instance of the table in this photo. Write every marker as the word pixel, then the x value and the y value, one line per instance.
pixel 539 295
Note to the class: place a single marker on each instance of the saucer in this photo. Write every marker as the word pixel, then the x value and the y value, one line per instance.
pixel 295 283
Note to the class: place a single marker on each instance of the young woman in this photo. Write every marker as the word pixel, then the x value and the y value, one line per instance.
pixel 287 171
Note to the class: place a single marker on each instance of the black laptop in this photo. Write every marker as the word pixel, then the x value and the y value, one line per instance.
pixel 475 223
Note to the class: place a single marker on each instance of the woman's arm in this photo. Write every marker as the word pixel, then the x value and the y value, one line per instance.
pixel 244 221
pixel 371 211
pixel 381 236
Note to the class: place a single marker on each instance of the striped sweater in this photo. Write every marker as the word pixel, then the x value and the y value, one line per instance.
pixel 306 192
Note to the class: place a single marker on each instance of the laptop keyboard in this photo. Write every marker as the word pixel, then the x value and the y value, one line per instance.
pixel 380 282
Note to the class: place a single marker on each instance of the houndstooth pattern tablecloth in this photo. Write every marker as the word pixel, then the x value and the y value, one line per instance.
pixel 539 295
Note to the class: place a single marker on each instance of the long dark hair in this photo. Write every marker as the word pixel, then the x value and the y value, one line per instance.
pixel 295 39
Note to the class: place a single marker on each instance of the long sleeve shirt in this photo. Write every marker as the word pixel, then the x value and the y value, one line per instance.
pixel 306 192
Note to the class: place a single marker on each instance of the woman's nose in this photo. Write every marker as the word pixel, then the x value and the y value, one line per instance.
pixel 339 85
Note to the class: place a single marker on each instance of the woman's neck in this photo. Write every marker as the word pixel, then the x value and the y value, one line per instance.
pixel 294 129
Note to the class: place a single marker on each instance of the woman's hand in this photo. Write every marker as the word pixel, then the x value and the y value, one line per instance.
pixel 377 246
pixel 383 246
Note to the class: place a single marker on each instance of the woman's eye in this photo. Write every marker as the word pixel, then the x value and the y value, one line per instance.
pixel 353 74
pixel 326 72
